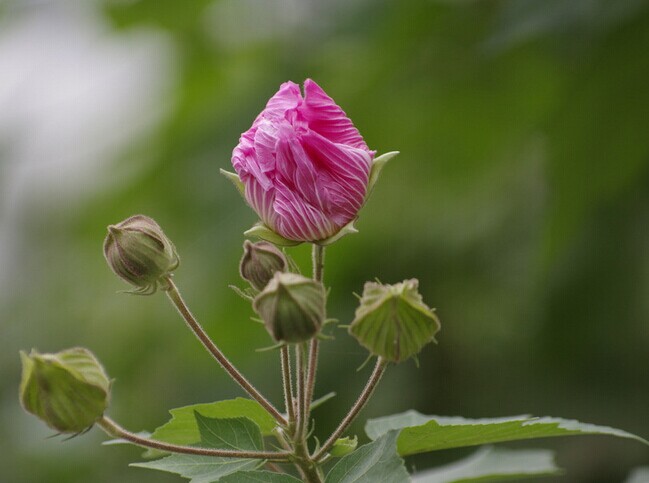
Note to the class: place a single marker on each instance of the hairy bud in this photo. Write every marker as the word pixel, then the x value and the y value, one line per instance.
pixel 260 262
pixel 292 307
pixel 392 321
pixel 139 252
pixel 68 390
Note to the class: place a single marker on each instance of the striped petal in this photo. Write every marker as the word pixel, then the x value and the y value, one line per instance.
pixel 326 118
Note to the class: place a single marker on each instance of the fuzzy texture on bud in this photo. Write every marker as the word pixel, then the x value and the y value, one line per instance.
pixel 68 390
pixel 259 263
pixel 392 321
pixel 304 166
pixel 292 307
pixel 139 252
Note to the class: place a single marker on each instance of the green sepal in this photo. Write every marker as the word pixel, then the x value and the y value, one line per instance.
pixel 377 167
pixel 348 229
pixel 236 181
pixel 260 230
pixel 321 400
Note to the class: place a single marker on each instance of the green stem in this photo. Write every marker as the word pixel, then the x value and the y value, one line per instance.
pixel 115 430
pixel 360 403
pixel 176 299
pixel 318 253
pixel 288 384
pixel 300 363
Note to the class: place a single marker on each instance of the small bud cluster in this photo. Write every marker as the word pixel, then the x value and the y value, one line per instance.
pixel 291 306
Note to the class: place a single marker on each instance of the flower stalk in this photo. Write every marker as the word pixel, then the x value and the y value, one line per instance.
pixel 113 429
pixel 363 398
pixel 176 299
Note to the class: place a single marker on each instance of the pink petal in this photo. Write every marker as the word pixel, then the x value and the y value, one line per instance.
pixel 327 119
pixel 261 200
pixel 297 219
pixel 286 98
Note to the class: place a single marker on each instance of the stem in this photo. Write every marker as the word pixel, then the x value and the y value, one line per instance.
pixel 192 323
pixel 288 384
pixel 365 395
pixel 317 253
pixel 310 384
pixel 300 354
pixel 113 429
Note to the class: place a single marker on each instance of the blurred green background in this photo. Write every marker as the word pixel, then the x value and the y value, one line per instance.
pixel 520 201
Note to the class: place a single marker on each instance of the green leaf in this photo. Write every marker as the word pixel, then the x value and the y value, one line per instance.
pixel 639 475
pixel 376 461
pixel 259 477
pixel 183 428
pixel 219 433
pixel 232 433
pixel 489 464
pixel 420 433
pixel 200 469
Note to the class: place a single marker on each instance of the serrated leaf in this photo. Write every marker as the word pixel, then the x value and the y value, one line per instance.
pixel 218 433
pixel 183 428
pixel 492 464
pixel 376 461
pixel 232 433
pixel 200 469
pixel 259 477
pixel 420 433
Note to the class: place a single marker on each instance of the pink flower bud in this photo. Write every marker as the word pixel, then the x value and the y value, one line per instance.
pixel 304 166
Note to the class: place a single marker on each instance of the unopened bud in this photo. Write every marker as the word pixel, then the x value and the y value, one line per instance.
pixel 260 262
pixel 392 321
pixel 139 252
pixel 343 446
pixel 68 390
pixel 292 307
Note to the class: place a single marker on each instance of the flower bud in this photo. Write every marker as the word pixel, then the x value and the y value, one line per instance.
pixel 392 321
pixel 292 307
pixel 260 262
pixel 69 390
pixel 140 253
pixel 343 446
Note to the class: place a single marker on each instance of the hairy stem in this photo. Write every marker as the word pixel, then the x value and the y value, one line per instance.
pixel 365 395
pixel 300 363
pixel 115 430
pixel 318 253
pixel 288 384
pixel 192 323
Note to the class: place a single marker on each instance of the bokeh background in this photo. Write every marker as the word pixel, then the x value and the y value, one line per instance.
pixel 520 201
